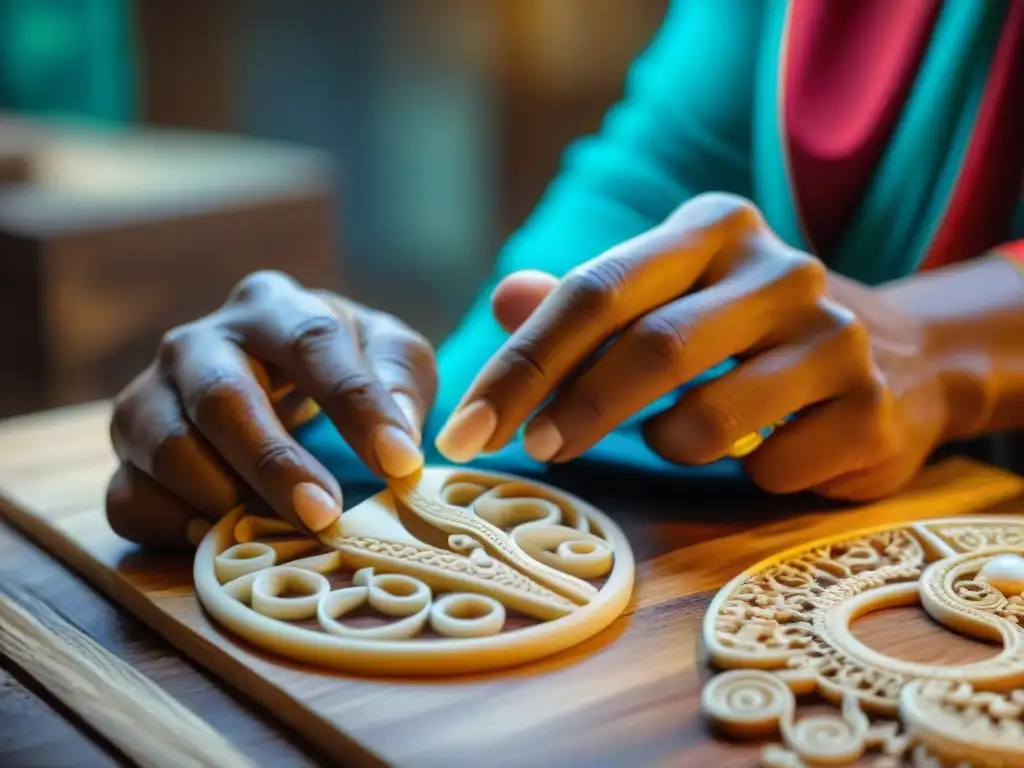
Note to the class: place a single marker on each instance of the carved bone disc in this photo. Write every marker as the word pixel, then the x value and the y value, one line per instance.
pixel 451 572
pixel 782 629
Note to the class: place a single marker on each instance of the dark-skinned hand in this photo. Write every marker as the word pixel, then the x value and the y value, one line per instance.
pixel 205 426
pixel 711 283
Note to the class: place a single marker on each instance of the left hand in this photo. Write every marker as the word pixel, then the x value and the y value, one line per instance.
pixel 712 283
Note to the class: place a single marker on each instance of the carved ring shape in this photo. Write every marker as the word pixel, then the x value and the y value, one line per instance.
pixel 450 572
pixel 782 629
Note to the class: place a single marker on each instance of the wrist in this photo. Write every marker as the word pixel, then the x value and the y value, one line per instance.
pixel 968 388
pixel 972 316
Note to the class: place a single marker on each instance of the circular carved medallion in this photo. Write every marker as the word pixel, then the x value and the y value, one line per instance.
pixel 782 629
pixel 452 572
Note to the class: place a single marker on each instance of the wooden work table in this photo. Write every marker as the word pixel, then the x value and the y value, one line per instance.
pixel 686 548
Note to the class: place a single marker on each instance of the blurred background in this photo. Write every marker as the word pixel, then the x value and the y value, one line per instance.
pixel 154 152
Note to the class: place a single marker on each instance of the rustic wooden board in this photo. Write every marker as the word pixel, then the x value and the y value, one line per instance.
pixel 36 729
pixel 628 697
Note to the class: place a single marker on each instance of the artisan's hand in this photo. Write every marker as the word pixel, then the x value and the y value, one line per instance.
pixel 205 426
pixel 712 283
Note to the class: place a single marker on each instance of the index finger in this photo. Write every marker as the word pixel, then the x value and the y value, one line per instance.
pixel 224 398
pixel 321 348
pixel 591 304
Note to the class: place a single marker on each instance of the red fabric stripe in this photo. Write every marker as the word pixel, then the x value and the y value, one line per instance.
pixel 1013 251
pixel 988 189
pixel 849 69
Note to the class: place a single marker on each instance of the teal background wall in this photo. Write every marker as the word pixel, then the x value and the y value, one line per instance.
pixel 68 59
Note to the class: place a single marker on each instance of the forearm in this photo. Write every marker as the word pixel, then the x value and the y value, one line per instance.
pixel 972 317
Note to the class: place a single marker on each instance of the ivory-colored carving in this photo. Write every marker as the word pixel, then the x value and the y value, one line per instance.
pixel 451 572
pixel 782 629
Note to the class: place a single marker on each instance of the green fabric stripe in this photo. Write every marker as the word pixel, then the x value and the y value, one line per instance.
pixel 773 191
pixel 904 204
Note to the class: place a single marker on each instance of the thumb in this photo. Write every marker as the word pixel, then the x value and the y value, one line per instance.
pixel 518 295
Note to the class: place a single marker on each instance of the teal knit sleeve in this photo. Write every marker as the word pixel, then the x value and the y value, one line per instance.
pixel 682 127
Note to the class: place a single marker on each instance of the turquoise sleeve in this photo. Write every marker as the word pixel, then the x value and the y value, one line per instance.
pixel 682 127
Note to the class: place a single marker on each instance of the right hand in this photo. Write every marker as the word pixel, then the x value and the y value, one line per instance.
pixel 203 428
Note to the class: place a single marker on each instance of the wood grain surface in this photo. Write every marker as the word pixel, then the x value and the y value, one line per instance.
pixel 105 691
pixel 628 697
pixel 37 731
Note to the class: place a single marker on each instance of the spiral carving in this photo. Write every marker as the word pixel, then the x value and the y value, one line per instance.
pixel 790 617
pixel 829 739
pixel 455 572
pixel 748 702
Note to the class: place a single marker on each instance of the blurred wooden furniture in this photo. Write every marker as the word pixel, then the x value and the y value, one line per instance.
pixel 15 152
pixel 14 165
pixel 628 697
pixel 109 238
pixel 187 62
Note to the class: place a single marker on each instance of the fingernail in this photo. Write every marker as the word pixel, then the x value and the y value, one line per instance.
pixel 542 439
pixel 397 453
pixel 411 412
pixel 314 506
pixel 467 432
pixel 196 530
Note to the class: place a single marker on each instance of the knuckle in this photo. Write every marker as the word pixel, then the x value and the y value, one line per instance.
pixel 411 355
pixel 218 393
pixel 806 275
pixel 174 344
pixel 522 364
pixel 417 347
pixel 356 387
pixel 398 357
pixel 171 448
pixel 714 421
pixel 659 344
pixel 275 456
pixel 258 284
pixel 852 337
pixel 413 350
pixel 594 290
pixel 856 339
pixel 725 207
pixel 314 333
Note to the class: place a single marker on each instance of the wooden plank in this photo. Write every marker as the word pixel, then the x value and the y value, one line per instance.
pixel 627 697
pixel 96 259
pixel 32 733
pixel 34 730
pixel 106 692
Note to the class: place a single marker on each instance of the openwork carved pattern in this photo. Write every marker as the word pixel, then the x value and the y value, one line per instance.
pixel 453 572
pixel 971 538
pixel 782 629
pixel 486 569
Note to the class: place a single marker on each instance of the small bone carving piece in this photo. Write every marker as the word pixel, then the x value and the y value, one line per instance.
pixel 450 572
pixel 782 629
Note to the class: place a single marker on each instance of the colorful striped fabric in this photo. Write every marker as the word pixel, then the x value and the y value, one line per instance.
pixel 885 137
